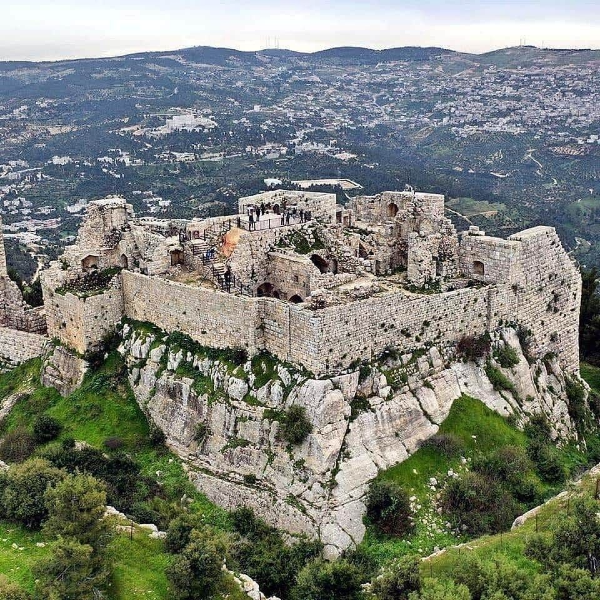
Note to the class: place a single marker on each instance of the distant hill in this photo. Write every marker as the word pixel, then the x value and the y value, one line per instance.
pixel 506 57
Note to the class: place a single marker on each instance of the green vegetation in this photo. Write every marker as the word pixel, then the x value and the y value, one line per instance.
pixel 296 425
pixel 485 471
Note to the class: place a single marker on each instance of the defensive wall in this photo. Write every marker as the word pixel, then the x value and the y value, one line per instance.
pixel 528 280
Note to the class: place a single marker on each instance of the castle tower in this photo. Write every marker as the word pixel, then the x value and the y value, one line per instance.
pixel 3 269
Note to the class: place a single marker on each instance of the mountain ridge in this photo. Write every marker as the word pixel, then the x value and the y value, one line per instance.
pixel 219 55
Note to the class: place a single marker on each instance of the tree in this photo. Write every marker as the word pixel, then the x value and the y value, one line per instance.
pixel 70 573
pixel 320 580
pixel 196 573
pixel 76 509
pixel 22 495
pixel 575 540
pixel 388 508
pixel 399 581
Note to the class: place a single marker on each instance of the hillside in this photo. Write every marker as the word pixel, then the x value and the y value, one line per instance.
pixel 140 561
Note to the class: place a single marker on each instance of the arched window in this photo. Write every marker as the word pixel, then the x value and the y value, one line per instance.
pixel 478 268
pixel 295 299
pixel 265 290
pixel 392 210
pixel 124 261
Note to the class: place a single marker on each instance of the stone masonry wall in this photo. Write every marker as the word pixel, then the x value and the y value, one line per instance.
pixel 82 323
pixel 18 346
pixel 211 317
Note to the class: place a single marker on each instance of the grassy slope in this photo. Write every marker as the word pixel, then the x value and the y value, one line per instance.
pixel 512 544
pixel 482 431
pixel 103 407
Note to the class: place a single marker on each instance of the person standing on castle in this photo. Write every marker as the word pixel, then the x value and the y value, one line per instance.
pixel 250 221
pixel 287 217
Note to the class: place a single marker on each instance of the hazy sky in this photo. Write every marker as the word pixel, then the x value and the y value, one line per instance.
pixel 53 29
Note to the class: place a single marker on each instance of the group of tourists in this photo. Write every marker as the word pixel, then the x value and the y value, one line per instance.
pixel 288 215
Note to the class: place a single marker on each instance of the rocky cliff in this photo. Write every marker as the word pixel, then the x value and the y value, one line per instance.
pixel 223 415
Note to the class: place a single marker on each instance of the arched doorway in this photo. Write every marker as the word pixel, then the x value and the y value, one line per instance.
pixel 176 257
pixel 320 263
pixel 124 261
pixel 265 290
pixel 89 262
pixel 478 268
pixel 392 210
pixel 295 299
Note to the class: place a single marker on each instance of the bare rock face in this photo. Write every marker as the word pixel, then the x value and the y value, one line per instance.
pixel 225 422
pixel 63 370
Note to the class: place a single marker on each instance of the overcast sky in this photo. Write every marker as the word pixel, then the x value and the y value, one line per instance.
pixel 54 29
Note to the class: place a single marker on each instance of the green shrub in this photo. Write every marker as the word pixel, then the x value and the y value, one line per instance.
pixel 17 445
pixel 447 444
pixel 263 554
pixel 46 429
pixel 295 427
pixel 23 491
pixel 498 379
pixel 196 573
pixel 69 573
pixel 179 532
pixel 321 580
pixel 11 591
pixel 402 578
pixel 434 589
pixel 388 508
pixel 506 356
pixel 472 348
pixel 479 504
pixel 548 462
pixel 157 436
pixel 577 406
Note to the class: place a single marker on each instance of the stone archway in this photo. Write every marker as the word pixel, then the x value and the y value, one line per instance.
pixel 320 263
pixel 89 262
pixel 478 268
pixel 296 299
pixel 392 210
pixel 265 290
pixel 124 262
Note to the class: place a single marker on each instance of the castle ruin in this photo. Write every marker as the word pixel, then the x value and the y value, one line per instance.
pixel 316 284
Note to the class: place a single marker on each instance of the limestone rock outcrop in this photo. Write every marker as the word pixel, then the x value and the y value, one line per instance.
pixel 225 421
pixel 63 370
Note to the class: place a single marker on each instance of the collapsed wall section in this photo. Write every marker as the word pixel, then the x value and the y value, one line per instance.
pixel 18 346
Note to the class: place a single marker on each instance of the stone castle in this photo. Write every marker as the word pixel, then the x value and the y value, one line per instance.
pixel 364 302
pixel 314 283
